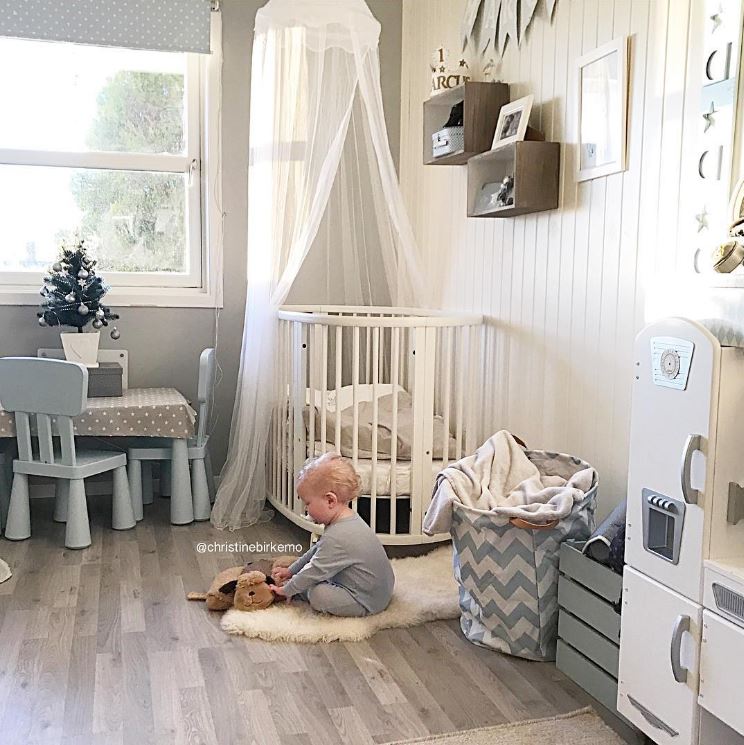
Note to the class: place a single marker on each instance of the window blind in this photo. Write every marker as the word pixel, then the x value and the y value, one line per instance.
pixel 163 25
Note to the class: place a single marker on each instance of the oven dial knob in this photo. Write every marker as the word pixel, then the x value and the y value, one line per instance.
pixel 670 364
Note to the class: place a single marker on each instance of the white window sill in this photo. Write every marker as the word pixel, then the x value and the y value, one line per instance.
pixel 127 297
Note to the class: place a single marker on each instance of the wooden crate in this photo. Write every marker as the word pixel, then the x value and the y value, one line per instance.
pixel 589 600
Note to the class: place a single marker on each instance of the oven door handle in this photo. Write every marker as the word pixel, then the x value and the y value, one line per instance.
pixel 679 671
pixel 693 443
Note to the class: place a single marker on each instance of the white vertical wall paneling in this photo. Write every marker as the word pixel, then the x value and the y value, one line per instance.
pixel 610 310
pixel 690 203
pixel 578 371
pixel 554 247
pixel 546 220
pixel 628 264
pixel 563 290
pixel 611 26
pixel 538 224
pixel 672 124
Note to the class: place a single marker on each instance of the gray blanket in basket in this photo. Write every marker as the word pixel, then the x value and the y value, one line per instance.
pixel 501 479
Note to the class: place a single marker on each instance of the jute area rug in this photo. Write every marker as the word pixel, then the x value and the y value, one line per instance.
pixel 582 727
pixel 425 590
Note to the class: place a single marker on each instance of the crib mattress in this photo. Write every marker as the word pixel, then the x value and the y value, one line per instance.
pixel 384 473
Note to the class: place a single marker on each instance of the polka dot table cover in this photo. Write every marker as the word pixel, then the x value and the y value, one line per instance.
pixel 140 412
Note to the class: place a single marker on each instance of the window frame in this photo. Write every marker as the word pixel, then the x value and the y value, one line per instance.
pixel 201 286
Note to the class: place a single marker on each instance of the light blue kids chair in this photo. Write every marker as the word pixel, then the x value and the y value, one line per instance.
pixel 45 395
pixel 140 456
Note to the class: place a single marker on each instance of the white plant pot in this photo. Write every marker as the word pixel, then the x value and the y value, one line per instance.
pixel 82 348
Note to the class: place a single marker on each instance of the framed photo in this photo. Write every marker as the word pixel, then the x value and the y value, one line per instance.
pixel 513 120
pixel 603 110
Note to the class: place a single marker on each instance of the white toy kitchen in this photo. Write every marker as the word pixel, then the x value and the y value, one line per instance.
pixel 681 673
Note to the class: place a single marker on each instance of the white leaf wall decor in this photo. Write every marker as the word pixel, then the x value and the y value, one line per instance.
pixel 468 21
pixel 489 24
pixel 527 12
pixel 510 21
pixel 499 20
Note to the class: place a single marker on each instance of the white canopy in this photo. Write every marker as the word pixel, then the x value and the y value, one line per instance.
pixel 326 222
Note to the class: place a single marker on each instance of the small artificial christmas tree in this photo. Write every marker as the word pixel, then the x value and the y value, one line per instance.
pixel 73 293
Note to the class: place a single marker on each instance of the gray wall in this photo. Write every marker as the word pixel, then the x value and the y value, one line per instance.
pixel 164 343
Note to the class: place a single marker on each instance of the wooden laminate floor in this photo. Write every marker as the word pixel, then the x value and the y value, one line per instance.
pixel 100 647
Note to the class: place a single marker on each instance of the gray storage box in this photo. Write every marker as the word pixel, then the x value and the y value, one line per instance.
pixel 105 380
pixel 447 141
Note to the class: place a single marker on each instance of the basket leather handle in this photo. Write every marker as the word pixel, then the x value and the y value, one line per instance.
pixel 519 440
pixel 517 522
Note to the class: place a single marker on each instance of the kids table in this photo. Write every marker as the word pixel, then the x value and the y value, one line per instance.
pixel 140 412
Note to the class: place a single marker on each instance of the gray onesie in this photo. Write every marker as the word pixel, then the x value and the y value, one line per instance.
pixel 346 573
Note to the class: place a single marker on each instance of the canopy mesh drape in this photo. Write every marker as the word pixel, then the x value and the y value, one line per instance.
pixel 326 222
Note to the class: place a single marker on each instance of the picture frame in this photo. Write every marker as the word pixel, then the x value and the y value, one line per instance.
pixel 602 79
pixel 513 120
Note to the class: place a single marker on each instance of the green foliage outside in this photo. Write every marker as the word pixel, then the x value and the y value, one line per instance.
pixel 136 218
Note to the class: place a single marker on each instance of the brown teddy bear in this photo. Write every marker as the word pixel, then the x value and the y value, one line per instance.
pixel 245 587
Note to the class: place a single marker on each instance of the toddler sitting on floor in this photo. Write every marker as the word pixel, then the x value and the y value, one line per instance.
pixel 346 573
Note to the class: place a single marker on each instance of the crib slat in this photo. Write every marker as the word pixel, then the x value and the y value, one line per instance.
pixel 447 396
pixel 339 372
pixel 284 413
pixel 288 471
pixel 459 393
pixel 418 354
pixel 375 419
pixel 312 370
pixel 299 386
pixel 279 428
pixel 288 476
pixel 470 443
pixel 421 503
pixel 324 390
pixel 383 346
pixel 271 456
pixel 367 358
pixel 355 396
pixel 394 363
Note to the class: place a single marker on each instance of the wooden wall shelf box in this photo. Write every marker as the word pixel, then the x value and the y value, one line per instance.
pixel 482 103
pixel 535 167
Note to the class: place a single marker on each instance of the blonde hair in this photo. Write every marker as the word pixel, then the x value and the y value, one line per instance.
pixel 339 471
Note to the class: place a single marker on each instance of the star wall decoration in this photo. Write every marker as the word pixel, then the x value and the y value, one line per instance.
pixel 702 220
pixel 717 19
pixel 709 117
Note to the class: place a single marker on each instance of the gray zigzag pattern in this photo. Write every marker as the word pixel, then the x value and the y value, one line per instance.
pixel 492 581
pixel 502 553
pixel 508 579
pixel 520 646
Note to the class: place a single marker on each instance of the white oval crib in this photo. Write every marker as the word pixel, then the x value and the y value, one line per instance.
pixel 391 388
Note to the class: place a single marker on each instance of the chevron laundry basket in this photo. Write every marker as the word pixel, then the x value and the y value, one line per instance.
pixel 508 575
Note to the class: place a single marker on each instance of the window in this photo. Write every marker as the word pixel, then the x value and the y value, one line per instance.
pixel 105 143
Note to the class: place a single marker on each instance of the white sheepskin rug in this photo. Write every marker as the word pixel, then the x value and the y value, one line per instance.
pixel 425 590
pixel 5 572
